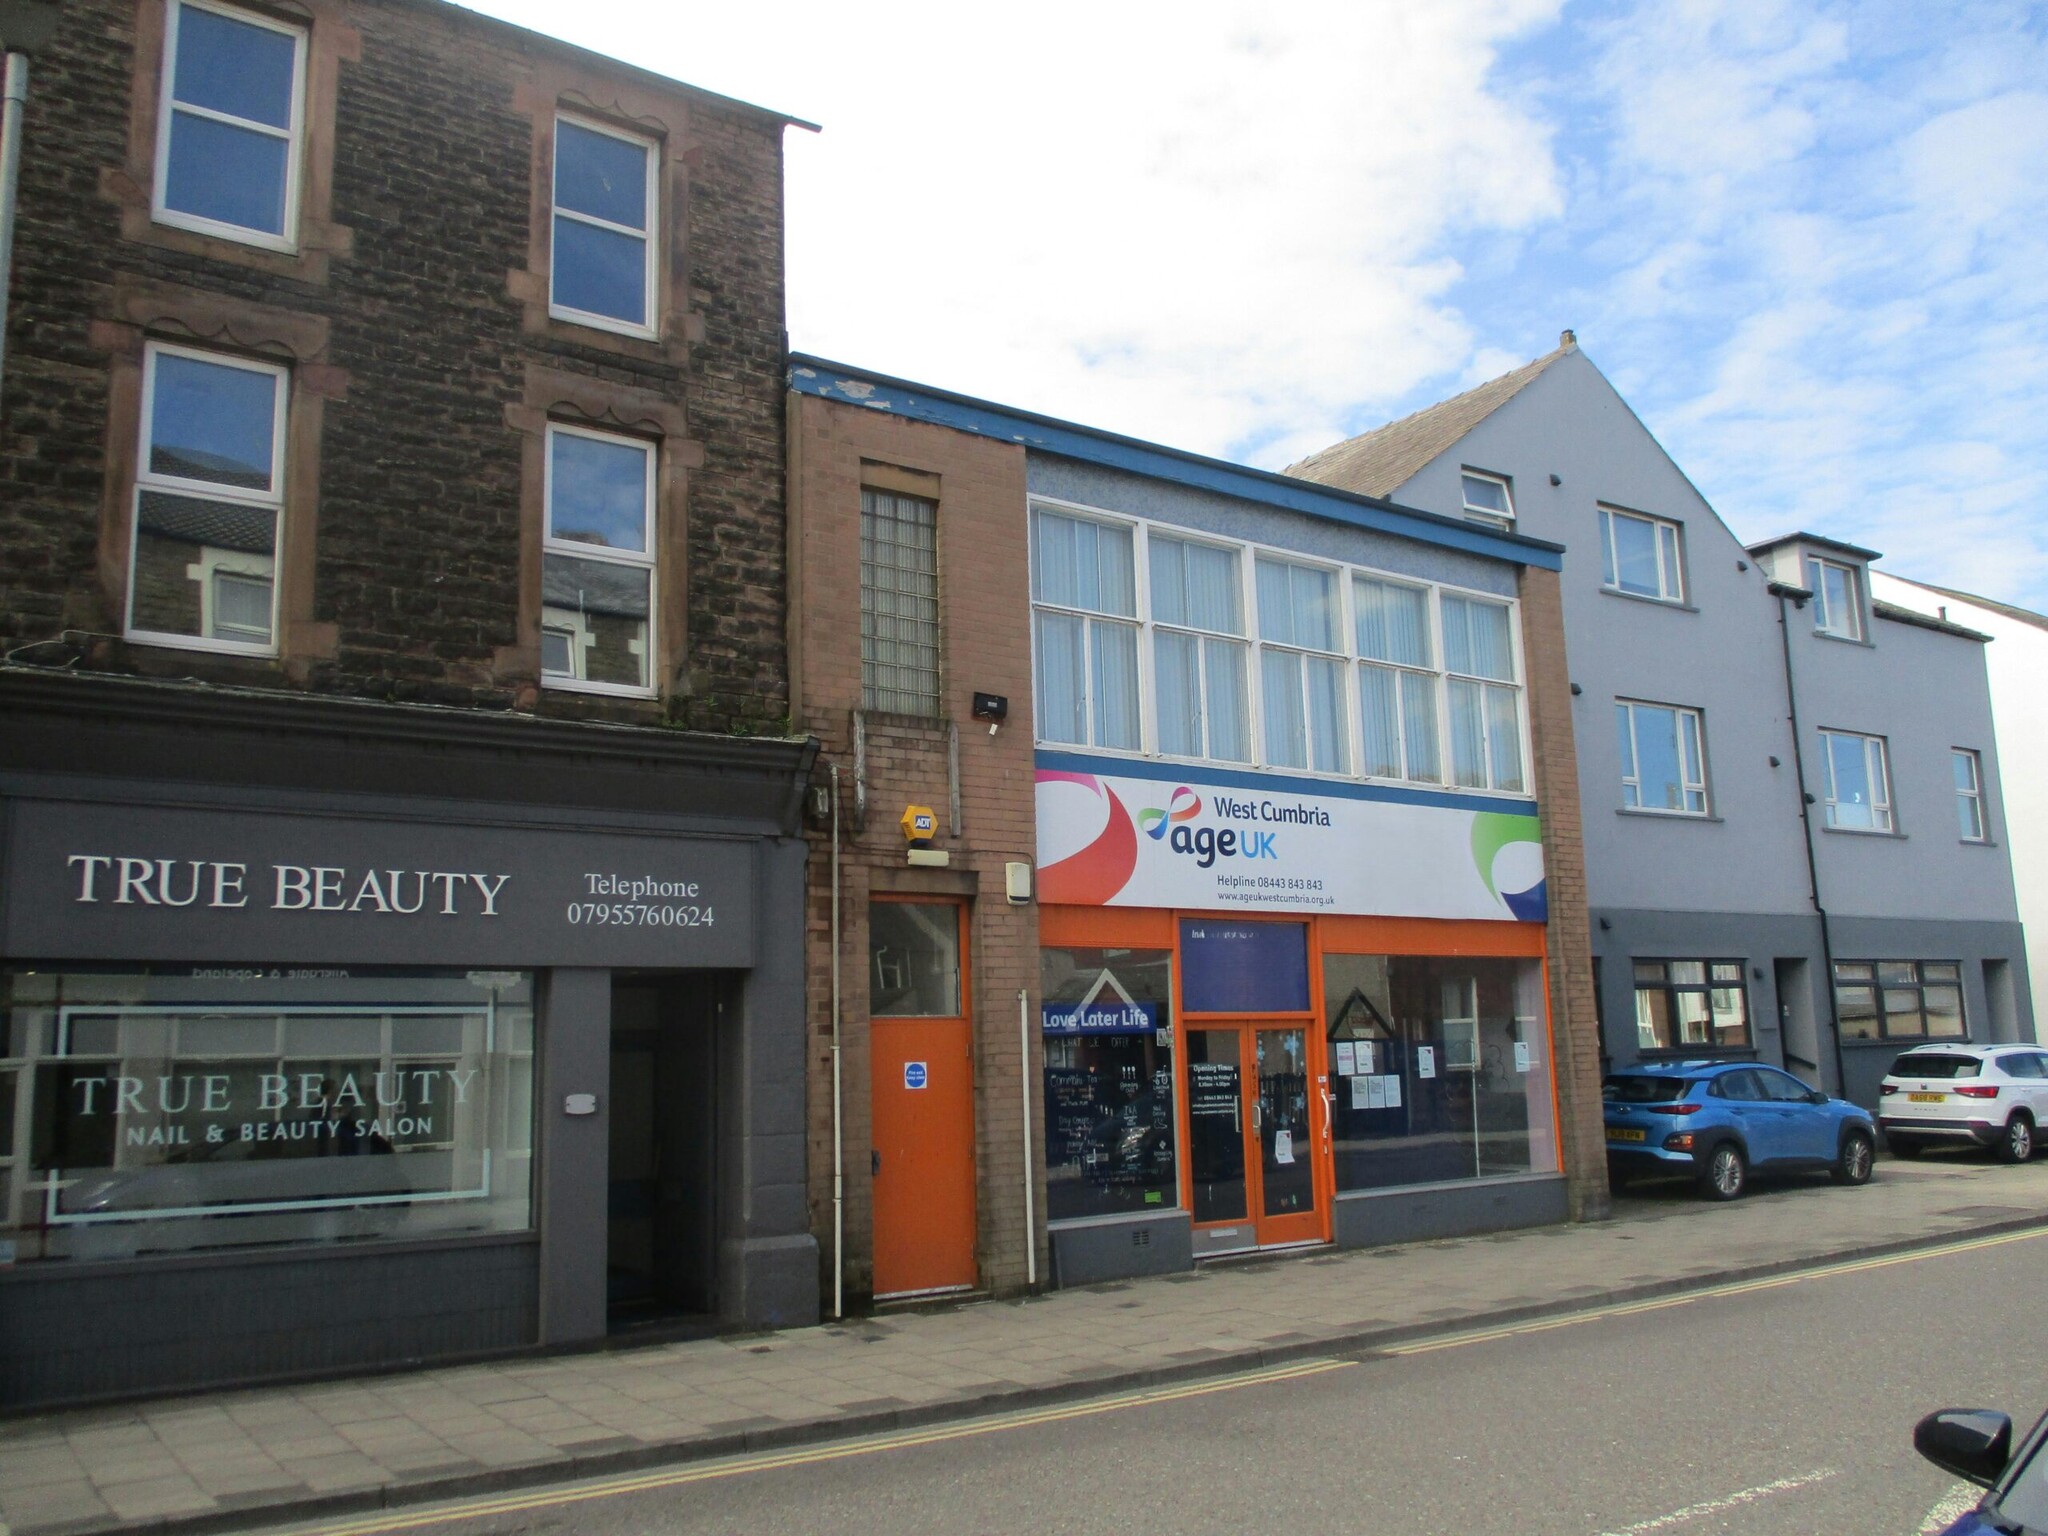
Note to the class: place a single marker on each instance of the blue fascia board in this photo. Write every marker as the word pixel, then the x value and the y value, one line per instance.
pixel 1055 760
pixel 1043 434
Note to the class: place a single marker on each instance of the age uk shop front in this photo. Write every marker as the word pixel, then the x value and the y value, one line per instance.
pixel 1221 1082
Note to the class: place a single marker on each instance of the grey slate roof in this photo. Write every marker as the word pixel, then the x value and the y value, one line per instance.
pixel 1919 620
pixel 1379 462
pixel 216 524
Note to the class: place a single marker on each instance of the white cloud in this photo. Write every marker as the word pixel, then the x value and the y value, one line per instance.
pixel 1214 225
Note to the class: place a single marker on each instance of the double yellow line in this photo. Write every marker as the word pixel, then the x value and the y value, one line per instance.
pixel 486 1506
pixel 768 1461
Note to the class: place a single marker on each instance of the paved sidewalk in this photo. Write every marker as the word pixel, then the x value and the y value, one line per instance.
pixel 237 1458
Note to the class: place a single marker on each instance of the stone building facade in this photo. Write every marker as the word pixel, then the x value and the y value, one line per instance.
pixel 391 486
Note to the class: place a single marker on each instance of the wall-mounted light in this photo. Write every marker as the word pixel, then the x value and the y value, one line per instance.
pixel 992 707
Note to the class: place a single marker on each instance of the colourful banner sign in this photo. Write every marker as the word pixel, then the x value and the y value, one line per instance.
pixel 1112 832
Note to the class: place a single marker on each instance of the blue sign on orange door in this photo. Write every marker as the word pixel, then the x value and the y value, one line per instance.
pixel 913 1074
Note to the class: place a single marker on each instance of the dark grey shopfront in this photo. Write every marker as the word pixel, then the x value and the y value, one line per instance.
pixel 339 1035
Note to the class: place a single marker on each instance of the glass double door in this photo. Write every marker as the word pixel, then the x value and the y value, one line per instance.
pixel 1254 1136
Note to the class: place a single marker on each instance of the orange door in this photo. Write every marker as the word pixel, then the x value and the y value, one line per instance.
pixel 1287 1120
pixel 921 1096
pixel 1256 1135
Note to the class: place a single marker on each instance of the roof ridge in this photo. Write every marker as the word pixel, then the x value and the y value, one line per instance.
pixel 1377 462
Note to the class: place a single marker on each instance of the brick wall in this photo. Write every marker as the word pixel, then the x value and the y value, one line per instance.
pixel 1567 947
pixel 985 634
pixel 416 292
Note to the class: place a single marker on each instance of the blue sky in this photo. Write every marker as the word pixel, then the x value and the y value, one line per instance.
pixel 1806 241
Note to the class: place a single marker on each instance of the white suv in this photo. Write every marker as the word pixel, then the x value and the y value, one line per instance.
pixel 1993 1095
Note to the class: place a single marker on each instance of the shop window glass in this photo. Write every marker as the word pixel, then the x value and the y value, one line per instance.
pixel 1107 1016
pixel 913 960
pixel 1439 1069
pixel 1898 999
pixel 230 1107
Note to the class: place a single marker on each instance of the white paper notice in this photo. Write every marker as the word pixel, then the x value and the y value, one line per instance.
pixel 1521 1055
pixel 1283 1146
pixel 1344 1058
pixel 1393 1092
pixel 1360 1088
pixel 1363 1055
pixel 1376 1095
pixel 1425 1061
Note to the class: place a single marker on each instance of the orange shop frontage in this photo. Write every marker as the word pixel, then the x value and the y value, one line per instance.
pixel 1285 1012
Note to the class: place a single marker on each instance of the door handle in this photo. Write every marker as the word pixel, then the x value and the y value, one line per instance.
pixel 874 1162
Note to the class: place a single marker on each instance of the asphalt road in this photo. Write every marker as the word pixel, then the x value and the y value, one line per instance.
pixel 1784 1408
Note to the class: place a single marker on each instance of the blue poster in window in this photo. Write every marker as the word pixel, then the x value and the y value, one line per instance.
pixel 1240 967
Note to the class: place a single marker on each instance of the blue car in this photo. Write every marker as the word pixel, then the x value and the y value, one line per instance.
pixel 1719 1120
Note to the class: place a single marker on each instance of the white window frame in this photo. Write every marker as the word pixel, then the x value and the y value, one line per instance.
pixel 238 562
pixel 1302 655
pixel 581 636
pixel 295 137
pixel 1876 768
pixel 1148 676
pixel 650 289
pixel 1090 620
pixel 1973 797
pixel 1514 685
pixel 1433 674
pixel 1670 540
pixel 1825 620
pixel 1250 552
pixel 1631 770
pixel 1481 514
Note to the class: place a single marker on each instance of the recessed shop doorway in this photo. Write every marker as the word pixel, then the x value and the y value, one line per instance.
pixel 1255 1137
pixel 661 1236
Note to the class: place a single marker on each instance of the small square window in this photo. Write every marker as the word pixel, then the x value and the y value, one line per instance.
pixel 230 124
pixel 209 488
pixel 598 563
pixel 1837 598
pixel 1488 497
pixel 1641 556
pixel 1663 758
pixel 601 271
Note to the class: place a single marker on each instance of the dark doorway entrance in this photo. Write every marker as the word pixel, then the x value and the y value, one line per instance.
pixel 662 1237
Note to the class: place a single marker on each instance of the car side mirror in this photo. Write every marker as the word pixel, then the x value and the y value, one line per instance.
pixel 1818 1096
pixel 1973 1443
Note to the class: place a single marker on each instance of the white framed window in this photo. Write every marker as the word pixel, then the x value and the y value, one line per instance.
pixel 1837 598
pixel 598 555
pixel 1301 666
pixel 209 492
pixel 1968 768
pixel 231 125
pixel 601 270
pixel 1857 782
pixel 1663 758
pixel 1482 695
pixel 1488 497
pixel 899 603
pixel 1641 555
pixel 1201 694
pixel 1084 630
pixel 1397 680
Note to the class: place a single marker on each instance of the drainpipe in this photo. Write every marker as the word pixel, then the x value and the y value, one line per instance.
pixel 16 92
pixel 1030 1216
pixel 26 27
pixel 838 1141
pixel 1798 597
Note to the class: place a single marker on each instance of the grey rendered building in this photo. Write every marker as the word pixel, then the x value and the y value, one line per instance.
pixel 1794 832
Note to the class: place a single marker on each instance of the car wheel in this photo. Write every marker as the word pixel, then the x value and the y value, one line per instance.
pixel 1858 1158
pixel 1726 1172
pixel 1904 1146
pixel 2017 1145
